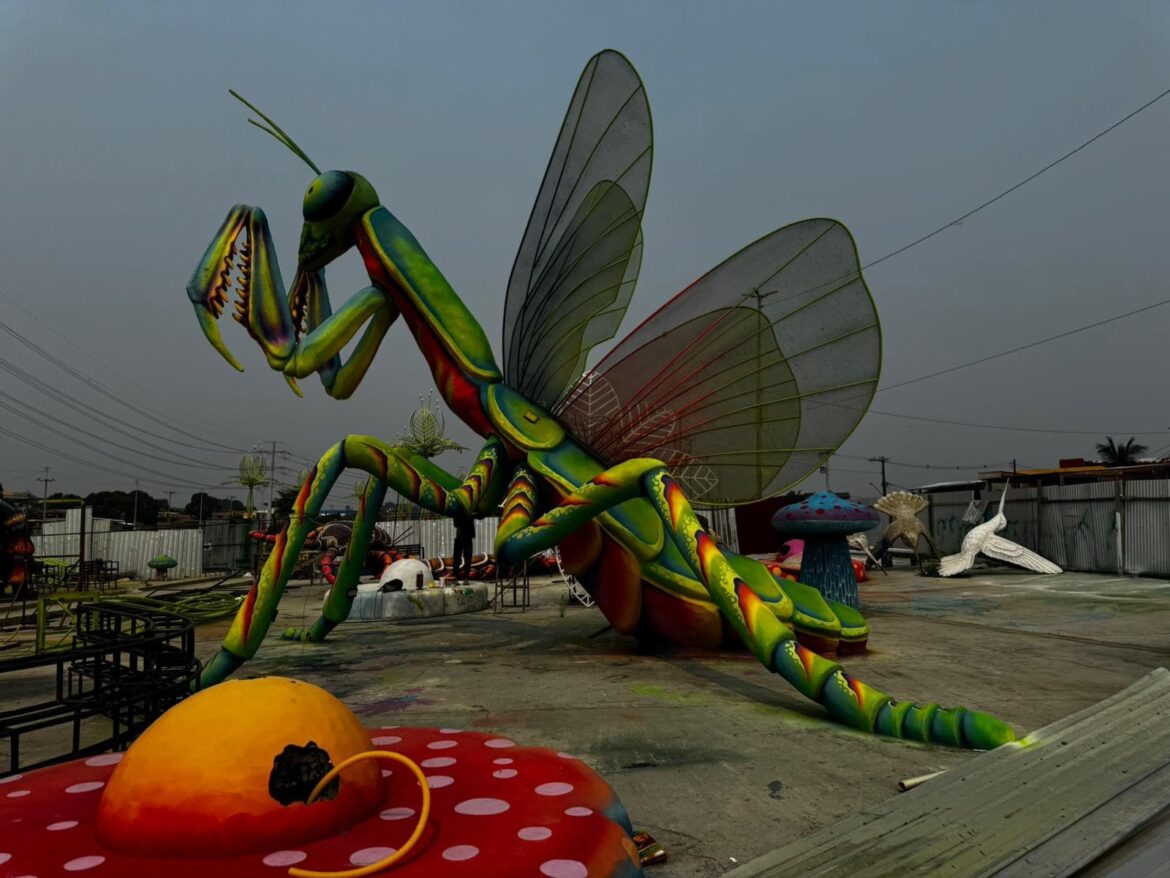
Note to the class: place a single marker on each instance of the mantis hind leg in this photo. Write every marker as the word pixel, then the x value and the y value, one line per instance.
pixel 411 475
pixel 343 589
pixel 847 699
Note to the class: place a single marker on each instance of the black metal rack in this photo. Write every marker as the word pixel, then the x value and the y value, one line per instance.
pixel 127 664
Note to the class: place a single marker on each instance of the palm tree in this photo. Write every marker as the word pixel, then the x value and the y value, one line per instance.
pixel 252 475
pixel 1126 454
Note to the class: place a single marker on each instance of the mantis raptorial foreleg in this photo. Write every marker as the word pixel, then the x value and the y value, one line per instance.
pixel 243 246
pixel 411 475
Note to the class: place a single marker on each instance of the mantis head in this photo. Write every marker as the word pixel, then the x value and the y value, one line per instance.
pixel 243 250
pixel 334 202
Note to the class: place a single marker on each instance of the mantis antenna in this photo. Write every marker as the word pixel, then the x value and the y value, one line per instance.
pixel 275 130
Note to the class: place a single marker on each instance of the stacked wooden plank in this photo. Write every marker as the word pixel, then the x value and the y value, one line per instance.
pixel 1047 805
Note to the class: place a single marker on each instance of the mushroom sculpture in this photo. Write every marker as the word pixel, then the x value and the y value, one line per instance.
pixel 267 777
pixel 160 564
pixel 824 520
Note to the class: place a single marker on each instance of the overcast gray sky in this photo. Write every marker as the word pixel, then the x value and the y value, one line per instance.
pixel 122 151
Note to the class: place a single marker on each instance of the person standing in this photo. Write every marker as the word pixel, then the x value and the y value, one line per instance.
pixel 464 537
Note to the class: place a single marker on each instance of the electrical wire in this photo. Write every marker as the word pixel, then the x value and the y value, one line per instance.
pixel 18 407
pixel 91 383
pixel 97 466
pixel 73 345
pixel 96 414
pixel 1025 347
pixel 1006 192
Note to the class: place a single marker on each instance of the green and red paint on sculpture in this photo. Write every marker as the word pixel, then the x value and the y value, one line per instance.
pixel 736 389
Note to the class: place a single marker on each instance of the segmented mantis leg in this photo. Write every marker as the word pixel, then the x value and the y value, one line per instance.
pixel 472 493
pixel 847 699
pixel 344 587
pixel 409 474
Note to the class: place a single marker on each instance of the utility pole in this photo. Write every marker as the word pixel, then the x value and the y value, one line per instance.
pixel 271 482
pixel 170 508
pixel 45 495
pixel 136 504
pixel 882 460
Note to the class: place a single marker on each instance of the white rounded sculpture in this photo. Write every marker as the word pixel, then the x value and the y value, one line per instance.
pixel 983 539
pixel 409 572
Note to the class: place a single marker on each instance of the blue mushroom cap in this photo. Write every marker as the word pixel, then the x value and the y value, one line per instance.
pixel 824 514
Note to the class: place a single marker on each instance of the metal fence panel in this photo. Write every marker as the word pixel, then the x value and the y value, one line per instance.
pixel 437 535
pixel 131 549
pixel 1078 527
pixel 1147 527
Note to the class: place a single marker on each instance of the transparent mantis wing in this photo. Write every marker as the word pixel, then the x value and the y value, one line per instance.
pixel 748 380
pixel 578 261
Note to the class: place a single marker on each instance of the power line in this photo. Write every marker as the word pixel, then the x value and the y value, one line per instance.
pixel 73 345
pixel 85 445
pixel 17 406
pixel 91 464
pixel 1014 187
pixel 94 413
pixel 907 417
pixel 946 466
pixel 89 382
pixel 1025 347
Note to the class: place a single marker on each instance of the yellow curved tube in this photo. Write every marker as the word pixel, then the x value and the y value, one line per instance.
pixel 386 862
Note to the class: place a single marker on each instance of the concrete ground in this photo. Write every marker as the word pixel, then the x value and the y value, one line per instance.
pixel 717 758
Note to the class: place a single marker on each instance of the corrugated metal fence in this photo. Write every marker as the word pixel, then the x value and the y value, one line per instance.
pixel 437 535
pixel 130 548
pixel 224 546
pixel 1120 527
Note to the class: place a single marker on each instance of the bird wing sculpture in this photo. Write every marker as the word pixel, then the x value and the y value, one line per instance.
pixel 1005 550
pixel 899 504
pixel 903 508
pixel 984 539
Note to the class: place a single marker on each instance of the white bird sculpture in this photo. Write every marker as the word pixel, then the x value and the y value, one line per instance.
pixel 984 539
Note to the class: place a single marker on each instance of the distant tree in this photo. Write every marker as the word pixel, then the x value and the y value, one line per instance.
pixel 119 505
pixel 211 505
pixel 252 475
pixel 1125 454
pixel 286 496
pixel 282 504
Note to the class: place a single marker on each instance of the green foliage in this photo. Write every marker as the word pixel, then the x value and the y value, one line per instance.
pixel 1124 454
pixel 211 505
pixel 282 504
pixel 119 505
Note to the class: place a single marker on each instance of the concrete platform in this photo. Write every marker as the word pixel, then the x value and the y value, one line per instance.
pixel 715 756
pixel 419 603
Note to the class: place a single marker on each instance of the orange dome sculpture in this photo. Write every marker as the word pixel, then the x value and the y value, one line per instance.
pixel 201 783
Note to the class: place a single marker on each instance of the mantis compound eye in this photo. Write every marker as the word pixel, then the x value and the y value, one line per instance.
pixel 327 195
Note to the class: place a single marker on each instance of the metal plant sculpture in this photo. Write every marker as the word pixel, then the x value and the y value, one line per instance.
pixel 745 383
pixel 426 436
pixel 253 474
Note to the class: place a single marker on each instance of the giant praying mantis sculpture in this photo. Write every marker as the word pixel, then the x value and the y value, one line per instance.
pixel 737 388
